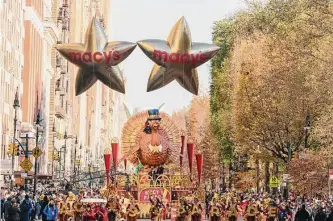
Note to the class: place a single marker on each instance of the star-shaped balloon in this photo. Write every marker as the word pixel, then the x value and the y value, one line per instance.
pixel 177 58
pixel 97 59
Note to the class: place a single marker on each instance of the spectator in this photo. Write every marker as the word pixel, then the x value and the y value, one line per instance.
pixel 13 211
pixel 32 212
pixel 103 213
pixel 2 208
pixel 330 215
pixel 25 208
pixel 51 211
pixel 7 204
pixel 44 203
pixel 321 215
pixel 37 209
pixel 302 214
pixel 89 215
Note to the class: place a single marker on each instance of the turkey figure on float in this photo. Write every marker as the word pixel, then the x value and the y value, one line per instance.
pixel 150 140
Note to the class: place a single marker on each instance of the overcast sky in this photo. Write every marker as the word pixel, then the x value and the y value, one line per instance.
pixel 134 20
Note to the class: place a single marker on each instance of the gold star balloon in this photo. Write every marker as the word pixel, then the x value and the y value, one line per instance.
pixel 177 58
pixel 97 59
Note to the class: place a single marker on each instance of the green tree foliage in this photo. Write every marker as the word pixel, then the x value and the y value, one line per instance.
pixel 220 103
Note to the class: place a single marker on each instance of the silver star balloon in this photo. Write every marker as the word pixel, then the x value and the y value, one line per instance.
pixel 97 59
pixel 177 58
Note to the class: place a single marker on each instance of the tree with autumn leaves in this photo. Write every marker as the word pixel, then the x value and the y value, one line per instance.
pixel 310 172
pixel 273 68
pixel 195 122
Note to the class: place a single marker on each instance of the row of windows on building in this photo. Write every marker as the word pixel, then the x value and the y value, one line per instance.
pixel 16 7
pixel 11 65
pixel 11 28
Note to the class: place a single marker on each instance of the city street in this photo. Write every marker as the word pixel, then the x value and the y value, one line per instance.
pixel 166 110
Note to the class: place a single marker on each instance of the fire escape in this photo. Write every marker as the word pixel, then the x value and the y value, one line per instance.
pixel 62 108
pixel 62 83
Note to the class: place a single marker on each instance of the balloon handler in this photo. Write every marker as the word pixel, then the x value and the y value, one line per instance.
pixel 132 210
pixel 157 208
pixel 215 210
pixel 114 209
pixel 182 210
pixel 196 209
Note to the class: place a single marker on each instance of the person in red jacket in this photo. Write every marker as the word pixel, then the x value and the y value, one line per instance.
pixel 89 215
pixel 165 209
pixel 95 209
pixel 102 213
pixel 133 210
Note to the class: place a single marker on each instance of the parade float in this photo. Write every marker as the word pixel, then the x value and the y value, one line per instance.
pixel 163 157
pixel 150 142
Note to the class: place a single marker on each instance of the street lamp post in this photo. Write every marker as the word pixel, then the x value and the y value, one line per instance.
pixel 65 151
pixel 26 157
pixel 66 136
pixel 80 152
pixel 128 184
pixel 307 129
pixel 223 177
pixel 289 159
pixel 90 180
pixel 59 160
pixel 231 175
pixel 38 123
pixel 75 157
pixel 53 141
pixel 16 106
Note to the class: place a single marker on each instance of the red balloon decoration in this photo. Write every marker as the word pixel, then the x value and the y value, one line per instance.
pixel 190 151
pixel 199 158
pixel 107 162
pixel 182 151
pixel 115 150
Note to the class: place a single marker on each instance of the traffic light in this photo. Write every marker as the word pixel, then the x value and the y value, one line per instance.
pixel 17 150
pixel 56 156
pixel 13 149
pixel 10 149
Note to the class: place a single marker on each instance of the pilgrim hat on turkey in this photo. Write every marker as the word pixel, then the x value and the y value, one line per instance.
pixel 153 114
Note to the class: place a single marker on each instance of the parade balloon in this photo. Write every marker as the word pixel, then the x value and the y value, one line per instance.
pixel 155 147
pixel 97 59
pixel 177 58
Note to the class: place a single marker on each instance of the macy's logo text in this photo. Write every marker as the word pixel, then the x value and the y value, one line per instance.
pixel 97 57
pixel 179 58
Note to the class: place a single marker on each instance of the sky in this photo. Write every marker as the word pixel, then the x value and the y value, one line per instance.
pixel 134 20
